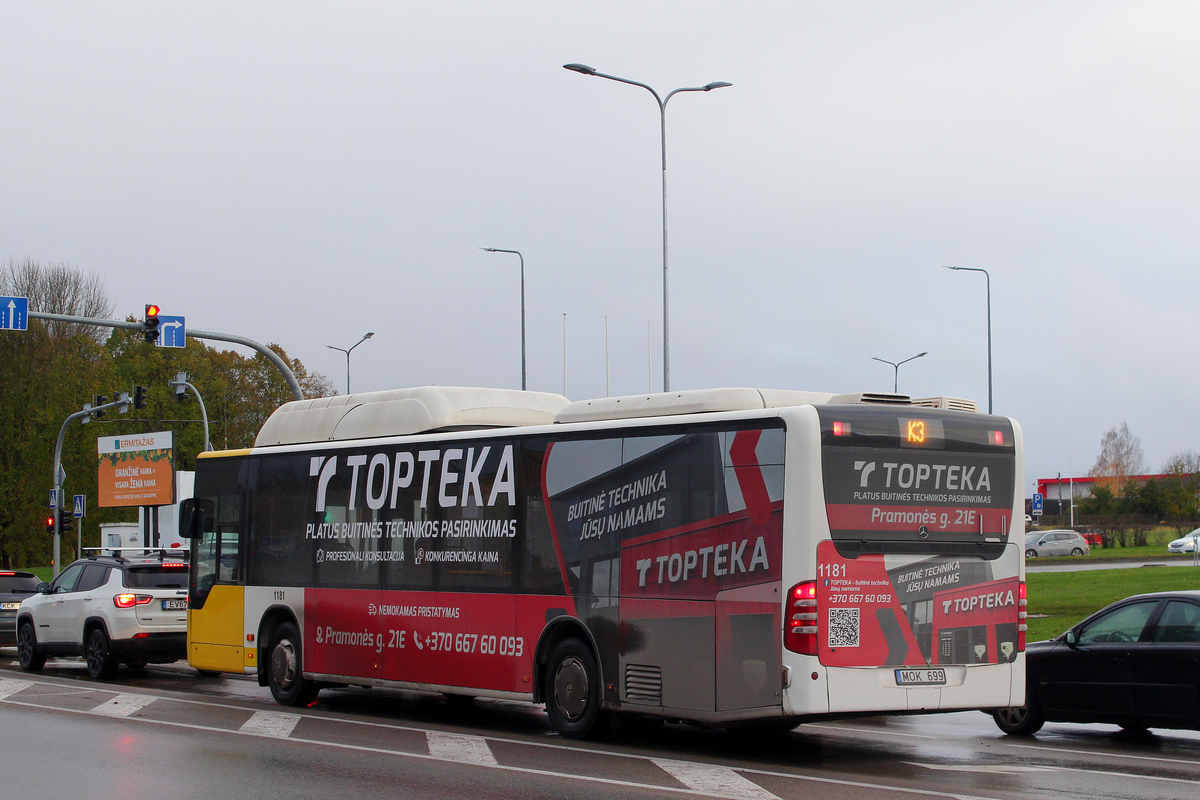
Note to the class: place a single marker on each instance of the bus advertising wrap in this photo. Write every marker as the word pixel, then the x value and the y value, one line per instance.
pixel 903 611
pixel 638 536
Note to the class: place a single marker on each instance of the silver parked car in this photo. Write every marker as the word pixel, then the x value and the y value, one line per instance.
pixel 1055 543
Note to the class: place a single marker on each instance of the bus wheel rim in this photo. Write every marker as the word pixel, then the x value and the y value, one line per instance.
pixel 571 688
pixel 283 663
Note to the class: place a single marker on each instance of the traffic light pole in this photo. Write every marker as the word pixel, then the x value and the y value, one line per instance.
pixel 267 352
pixel 58 476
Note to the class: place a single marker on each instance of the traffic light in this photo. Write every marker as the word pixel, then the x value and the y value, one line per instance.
pixel 139 397
pixel 97 401
pixel 150 324
pixel 64 521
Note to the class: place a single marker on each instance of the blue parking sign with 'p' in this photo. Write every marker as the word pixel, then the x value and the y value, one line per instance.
pixel 1037 504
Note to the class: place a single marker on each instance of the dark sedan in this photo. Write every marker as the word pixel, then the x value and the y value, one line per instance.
pixel 1135 664
pixel 14 587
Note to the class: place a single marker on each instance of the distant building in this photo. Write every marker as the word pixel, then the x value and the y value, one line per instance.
pixel 1079 488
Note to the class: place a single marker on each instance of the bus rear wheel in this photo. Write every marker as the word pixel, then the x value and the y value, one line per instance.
pixel 285 673
pixel 572 689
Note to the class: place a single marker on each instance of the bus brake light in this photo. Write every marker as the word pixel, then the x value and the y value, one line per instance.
pixel 801 635
pixel 841 429
pixel 1022 615
pixel 997 437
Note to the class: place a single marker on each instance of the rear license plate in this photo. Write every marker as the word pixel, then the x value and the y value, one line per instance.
pixel 10 606
pixel 920 677
pixel 174 605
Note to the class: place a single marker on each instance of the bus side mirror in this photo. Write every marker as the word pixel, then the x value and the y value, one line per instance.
pixel 192 513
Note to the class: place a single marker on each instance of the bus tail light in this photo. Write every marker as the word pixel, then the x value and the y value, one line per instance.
pixel 801 632
pixel 131 600
pixel 1022 615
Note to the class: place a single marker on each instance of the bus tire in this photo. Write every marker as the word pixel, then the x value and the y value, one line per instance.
pixel 572 689
pixel 27 650
pixel 285 668
pixel 1023 720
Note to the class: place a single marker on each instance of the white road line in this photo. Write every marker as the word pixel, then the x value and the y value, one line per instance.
pixel 10 686
pixel 123 705
pixel 1053 749
pixel 462 749
pixel 713 781
pixel 996 769
pixel 271 723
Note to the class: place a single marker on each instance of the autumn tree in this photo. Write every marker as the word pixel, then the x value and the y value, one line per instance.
pixel 48 372
pixel 1120 456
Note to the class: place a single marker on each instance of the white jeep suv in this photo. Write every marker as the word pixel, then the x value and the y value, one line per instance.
pixel 108 609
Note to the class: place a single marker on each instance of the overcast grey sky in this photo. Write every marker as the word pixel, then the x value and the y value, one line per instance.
pixel 302 173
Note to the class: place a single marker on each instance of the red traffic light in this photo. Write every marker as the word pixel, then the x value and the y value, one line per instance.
pixel 150 324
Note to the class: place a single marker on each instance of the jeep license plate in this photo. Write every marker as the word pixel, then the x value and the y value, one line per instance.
pixel 174 605
pixel 920 677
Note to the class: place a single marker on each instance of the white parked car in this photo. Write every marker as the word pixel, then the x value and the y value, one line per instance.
pixel 110 610
pixel 1185 544
pixel 1055 543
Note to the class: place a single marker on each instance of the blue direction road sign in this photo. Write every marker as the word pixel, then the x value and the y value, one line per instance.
pixel 14 313
pixel 1037 504
pixel 171 331
pixel 80 506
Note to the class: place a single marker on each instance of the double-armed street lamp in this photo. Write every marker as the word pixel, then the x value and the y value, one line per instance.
pixel 583 69
pixel 989 324
pixel 366 336
pixel 896 369
pixel 518 254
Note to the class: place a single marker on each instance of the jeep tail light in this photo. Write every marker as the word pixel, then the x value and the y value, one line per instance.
pixel 131 600
pixel 800 635
pixel 1022 615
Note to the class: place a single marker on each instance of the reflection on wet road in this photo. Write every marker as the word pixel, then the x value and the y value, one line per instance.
pixel 165 729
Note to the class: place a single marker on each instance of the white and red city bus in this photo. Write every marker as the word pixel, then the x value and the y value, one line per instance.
pixel 728 556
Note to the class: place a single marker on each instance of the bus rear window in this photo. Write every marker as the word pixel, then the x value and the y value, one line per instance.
pixel 164 577
pixel 916 480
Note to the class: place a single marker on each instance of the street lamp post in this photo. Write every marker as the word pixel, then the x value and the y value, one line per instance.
pixel 989 324
pixel 366 336
pixel 583 69
pixel 896 369
pixel 499 250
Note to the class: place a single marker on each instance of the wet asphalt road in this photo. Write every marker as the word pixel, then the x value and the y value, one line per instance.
pixel 166 732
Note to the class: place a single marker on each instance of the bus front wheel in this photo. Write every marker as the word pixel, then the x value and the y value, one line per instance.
pixel 572 689
pixel 285 673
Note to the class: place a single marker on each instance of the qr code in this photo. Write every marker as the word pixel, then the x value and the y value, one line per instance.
pixel 843 627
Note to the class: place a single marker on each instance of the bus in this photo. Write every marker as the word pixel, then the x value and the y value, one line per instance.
pixel 726 557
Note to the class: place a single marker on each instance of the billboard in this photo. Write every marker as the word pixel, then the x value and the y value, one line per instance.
pixel 136 469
